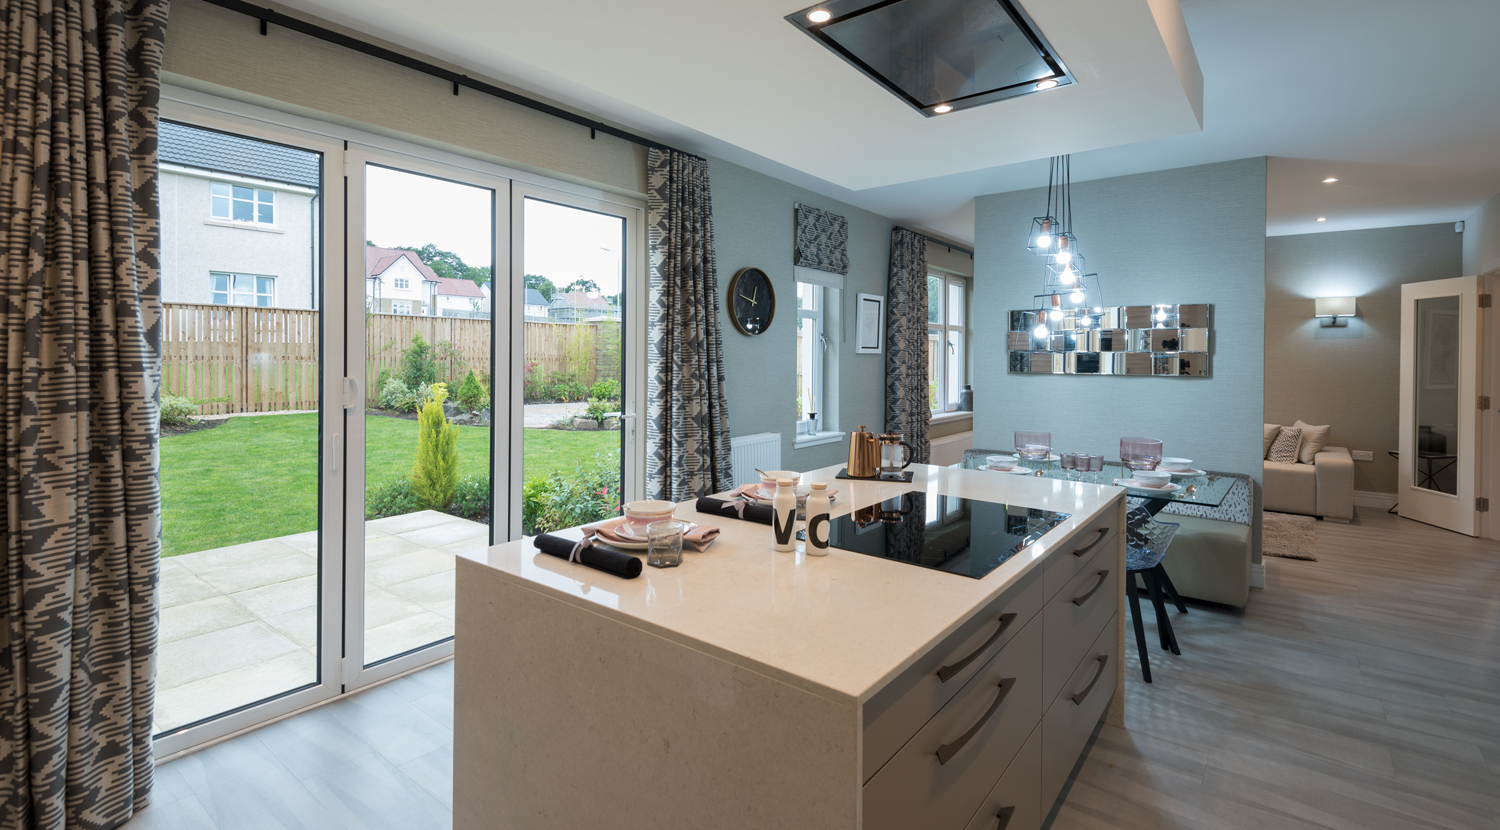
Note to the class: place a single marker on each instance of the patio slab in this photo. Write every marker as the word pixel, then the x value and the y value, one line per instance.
pixel 239 624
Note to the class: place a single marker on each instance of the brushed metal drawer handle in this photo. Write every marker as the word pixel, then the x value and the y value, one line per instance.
pixel 946 752
pixel 1091 545
pixel 1004 816
pixel 1078 698
pixel 947 672
pixel 1097 585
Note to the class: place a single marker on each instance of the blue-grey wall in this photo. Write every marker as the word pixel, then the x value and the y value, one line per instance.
pixel 1191 235
pixel 1348 377
pixel 754 225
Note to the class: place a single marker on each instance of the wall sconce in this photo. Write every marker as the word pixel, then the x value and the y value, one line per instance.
pixel 1332 308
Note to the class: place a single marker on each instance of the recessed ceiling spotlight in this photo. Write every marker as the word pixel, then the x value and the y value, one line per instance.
pixel 1330 180
pixel 1322 218
pixel 942 108
pixel 819 15
pixel 1048 84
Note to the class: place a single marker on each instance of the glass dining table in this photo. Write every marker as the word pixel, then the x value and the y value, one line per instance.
pixel 1208 489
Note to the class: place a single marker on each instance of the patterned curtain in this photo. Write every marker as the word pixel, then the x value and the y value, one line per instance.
pixel 906 403
pixel 79 320
pixel 687 425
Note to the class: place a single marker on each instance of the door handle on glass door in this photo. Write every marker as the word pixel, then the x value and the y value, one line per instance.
pixel 335 452
pixel 351 393
pixel 629 417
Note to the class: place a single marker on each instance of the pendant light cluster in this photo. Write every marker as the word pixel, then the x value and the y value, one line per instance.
pixel 1066 281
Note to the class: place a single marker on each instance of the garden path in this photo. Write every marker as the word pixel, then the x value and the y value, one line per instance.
pixel 239 623
pixel 537 415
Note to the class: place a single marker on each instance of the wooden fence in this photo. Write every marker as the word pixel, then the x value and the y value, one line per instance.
pixel 236 359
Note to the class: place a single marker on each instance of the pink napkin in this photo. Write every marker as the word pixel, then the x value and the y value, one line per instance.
pixel 699 536
pixel 1175 468
pixel 1149 485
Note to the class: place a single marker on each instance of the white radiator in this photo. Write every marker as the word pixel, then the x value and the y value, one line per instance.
pixel 746 454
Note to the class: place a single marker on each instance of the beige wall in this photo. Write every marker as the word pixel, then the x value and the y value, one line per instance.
pixel 222 52
pixel 1347 377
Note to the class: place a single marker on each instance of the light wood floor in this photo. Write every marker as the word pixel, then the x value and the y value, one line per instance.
pixel 1358 691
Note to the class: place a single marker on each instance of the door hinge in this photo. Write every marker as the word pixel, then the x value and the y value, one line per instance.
pixel 1486 300
pixel 1484 402
pixel 1481 505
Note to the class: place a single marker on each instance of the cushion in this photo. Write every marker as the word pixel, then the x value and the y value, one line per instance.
pixel 1271 431
pixel 1313 441
pixel 1284 448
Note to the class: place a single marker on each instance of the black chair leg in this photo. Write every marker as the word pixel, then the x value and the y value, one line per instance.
pixel 1163 623
pixel 1132 595
pixel 1166 583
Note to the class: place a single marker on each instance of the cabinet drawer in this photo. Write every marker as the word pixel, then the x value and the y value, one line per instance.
pixel 1075 711
pixel 1073 618
pixel 896 712
pixel 1072 557
pixel 977 734
pixel 1016 802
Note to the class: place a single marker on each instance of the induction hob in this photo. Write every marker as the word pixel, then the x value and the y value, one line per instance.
pixel 967 537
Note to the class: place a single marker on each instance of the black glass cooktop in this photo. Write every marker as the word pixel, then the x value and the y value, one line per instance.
pixel 967 537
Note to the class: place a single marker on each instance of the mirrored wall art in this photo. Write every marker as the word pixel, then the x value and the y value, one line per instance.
pixel 1160 340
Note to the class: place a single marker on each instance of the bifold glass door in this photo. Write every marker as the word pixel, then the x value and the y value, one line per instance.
pixel 251 561
pixel 377 358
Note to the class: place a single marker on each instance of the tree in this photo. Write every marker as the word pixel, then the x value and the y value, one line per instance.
pixel 542 285
pixel 585 285
pixel 449 265
pixel 434 479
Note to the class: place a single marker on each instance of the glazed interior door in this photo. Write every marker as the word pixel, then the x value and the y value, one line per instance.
pixel 1440 370
pixel 424 241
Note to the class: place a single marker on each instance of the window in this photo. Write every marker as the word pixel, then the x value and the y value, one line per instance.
pixel 810 350
pixel 402 283
pixel 401 307
pixel 243 289
pixel 237 203
pixel 947 360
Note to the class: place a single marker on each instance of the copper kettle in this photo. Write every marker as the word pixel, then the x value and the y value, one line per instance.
pixel 864 454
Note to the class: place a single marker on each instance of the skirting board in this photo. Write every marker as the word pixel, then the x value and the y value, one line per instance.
pixel 1258 575
pixel 1366 498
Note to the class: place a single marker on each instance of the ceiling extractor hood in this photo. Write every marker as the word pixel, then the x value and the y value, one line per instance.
pixel 939 55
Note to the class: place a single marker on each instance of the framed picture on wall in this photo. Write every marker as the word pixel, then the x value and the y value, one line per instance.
pixel 869 316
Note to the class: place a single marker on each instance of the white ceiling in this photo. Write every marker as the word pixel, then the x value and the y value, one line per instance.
pixel 1399 100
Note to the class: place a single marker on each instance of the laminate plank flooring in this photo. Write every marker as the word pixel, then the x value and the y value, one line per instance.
pixel 1358 692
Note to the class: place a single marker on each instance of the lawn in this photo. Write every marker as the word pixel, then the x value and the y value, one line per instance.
pixel 256 477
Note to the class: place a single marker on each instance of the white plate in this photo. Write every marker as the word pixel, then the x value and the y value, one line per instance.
pixel 1015 471
pixel 1051 457
pixel 801 497
pixel 1171 488
pixel 1188 474
pixel 1186 462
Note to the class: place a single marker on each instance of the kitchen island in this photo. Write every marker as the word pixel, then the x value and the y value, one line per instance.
pixel 755 689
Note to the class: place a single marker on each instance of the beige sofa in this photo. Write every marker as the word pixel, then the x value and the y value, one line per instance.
pixel 1324 488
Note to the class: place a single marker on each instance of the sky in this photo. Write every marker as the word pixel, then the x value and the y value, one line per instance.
pixel 406 210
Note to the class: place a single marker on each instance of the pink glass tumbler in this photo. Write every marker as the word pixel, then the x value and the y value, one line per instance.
pixel 1140 453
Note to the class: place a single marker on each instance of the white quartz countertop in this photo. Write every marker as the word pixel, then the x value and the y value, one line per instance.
pixel 841 625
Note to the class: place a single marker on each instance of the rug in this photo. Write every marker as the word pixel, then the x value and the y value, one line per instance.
pixel 1289 536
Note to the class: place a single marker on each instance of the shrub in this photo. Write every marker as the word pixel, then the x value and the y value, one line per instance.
pixel 380 379
pixel 608 389
pixel 435 393
pixel 471 499
pixel 393 498
pixel 472 395
pixel 591 494
pixel 597 409
pixel 177 411
pixel 435 476
pixel 396 396
pixel 565 386
pixel 534 385
pixel 418 364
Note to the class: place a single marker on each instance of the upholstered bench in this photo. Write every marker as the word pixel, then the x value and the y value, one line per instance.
pixel 1209 559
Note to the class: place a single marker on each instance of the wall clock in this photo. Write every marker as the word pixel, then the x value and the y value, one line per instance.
pixel 752 301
